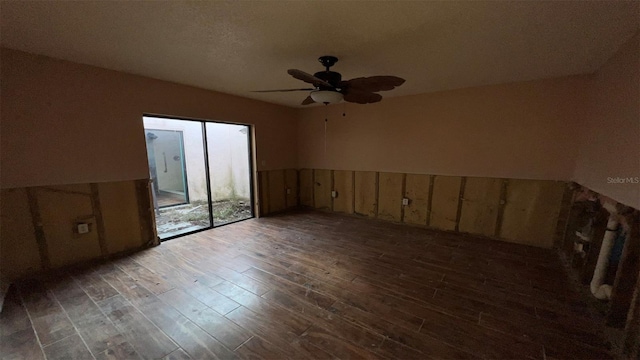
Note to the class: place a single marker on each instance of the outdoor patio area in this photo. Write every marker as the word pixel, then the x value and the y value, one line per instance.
pixel 178 219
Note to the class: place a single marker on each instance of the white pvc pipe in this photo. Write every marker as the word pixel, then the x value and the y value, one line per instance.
pixel 598 288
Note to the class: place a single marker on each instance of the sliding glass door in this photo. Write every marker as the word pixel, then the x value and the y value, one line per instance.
pixel 200 172
pixel 229 171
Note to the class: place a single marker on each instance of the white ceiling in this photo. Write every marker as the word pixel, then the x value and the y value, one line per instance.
pixel 235 47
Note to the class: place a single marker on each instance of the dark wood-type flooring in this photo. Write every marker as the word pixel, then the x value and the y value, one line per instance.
pixel 308 285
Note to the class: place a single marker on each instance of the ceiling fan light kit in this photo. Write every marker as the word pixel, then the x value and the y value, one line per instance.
pixel 329 87
pixel 326 96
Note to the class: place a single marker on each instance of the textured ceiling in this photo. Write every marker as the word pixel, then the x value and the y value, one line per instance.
pixel 235 47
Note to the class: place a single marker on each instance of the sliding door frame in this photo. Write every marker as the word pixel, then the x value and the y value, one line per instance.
pixel 203 123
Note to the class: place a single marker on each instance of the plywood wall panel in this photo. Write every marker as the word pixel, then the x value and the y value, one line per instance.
pixel 531 211
pixel 291 185
pixel 390 194
pixel 306 187
pixel 60 207
pixel 264 192
pixel 444 204
pixel 120 215
pixel 277 197
pixel 481 200
pixel 417 191
pixel 322 189
pixel 19 254
pixel 365 193
pixel 343 184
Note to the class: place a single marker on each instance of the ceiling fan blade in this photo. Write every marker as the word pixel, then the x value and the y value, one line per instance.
pixel 283 90
pixel 308 100
pixel 308 78
pixel 361 97
pixel 373 83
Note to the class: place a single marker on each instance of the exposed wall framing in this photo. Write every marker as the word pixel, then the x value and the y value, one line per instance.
pixel 444 202
pixel 38 224
pixel 417 191
pixel 322 181
pixel 365 193
pixel 589 210
pixel 280 190
pixel 390 193
pixel 306 187
pixel 343 185
pixel 523 211
pixel 480 205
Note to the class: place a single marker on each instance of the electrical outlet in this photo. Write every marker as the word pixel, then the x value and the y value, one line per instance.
pixel 334 194
pixel 82 228
pixel 405 201
pixel 288 191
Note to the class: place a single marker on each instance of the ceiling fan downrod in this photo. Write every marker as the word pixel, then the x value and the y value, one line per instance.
pixel 328 61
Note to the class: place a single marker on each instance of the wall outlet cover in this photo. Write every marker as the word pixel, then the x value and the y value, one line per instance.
pixel 82 228
pixel 334 194
pixel 405 201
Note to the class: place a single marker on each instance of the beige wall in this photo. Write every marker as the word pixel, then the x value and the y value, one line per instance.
pixel 66 123
pixel 610 137
pixel 523 130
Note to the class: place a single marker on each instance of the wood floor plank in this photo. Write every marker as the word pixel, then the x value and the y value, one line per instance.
pixel 179 354
pixel 17 337
pixel 313 297
pixel 116 351
pixel 311 285
pixel 96 330
pixel 21 344
pixel 174 269
pixel 275 333
pixel 325 319
pixel 256 348
pixel 213 299
pixel 49 319
pixel 147 278
pixel 128 288
pixel 339 289
pixel 189 337
pixel 558 343
pixel 338 346
pixel 93 284
pixel 287 320
pixel 69 348
pixel 221 328
pixel 146 338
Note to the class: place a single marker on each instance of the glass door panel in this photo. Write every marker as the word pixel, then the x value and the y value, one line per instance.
pixel 230 172
pixel 178 170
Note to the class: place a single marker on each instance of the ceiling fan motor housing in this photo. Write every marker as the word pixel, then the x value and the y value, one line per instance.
pixel 331 77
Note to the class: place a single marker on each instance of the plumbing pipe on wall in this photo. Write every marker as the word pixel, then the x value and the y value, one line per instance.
pixel 598 288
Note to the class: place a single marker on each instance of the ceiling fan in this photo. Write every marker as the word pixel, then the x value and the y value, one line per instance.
pixel 330 88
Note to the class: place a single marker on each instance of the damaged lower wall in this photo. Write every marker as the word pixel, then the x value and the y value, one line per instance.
pixel 531 212
pixel 277 190
pixel 38 224
pixel 602 244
